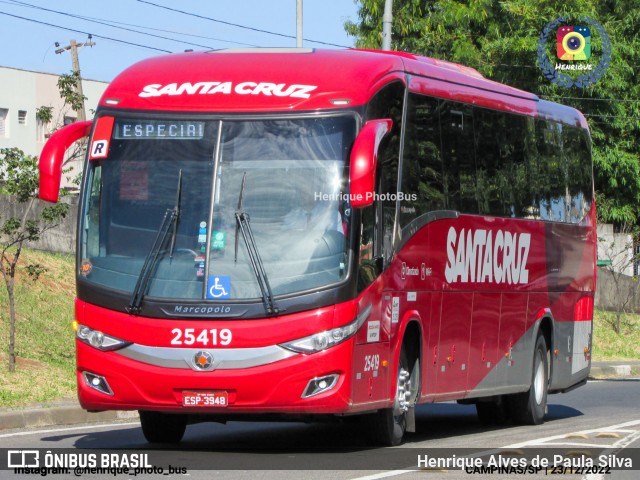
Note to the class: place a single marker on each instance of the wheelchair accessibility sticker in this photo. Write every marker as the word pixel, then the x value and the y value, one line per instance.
pixel 219 287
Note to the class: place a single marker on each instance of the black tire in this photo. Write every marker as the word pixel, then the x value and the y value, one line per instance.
pixel 492 413
pixel 387 426
pixel 159 427
pixel 529 408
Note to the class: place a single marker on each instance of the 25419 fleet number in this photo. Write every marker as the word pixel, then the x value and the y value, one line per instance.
pixel 189 336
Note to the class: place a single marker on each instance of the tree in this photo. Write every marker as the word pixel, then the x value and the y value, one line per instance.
pixel 500 40
pixel 19 178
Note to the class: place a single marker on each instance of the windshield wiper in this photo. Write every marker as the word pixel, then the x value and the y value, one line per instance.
pixel 171 216
pixel 243 225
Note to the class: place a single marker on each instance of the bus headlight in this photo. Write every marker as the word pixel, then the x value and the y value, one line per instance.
pixel 99 340
pixel 330 338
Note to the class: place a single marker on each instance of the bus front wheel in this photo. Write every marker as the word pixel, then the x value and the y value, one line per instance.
pixel 529 408
pixel 159 427
pixel 387 426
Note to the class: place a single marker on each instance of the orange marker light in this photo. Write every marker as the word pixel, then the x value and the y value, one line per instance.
pixel 74 325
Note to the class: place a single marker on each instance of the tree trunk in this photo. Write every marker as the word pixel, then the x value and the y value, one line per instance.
pixel 12 327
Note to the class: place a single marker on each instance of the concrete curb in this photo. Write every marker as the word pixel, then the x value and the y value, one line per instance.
pixel 70 414
pixel 601 372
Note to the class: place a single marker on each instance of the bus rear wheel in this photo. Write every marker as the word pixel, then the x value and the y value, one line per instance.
pixel 388 426
pixel 159 427
pixel 529 408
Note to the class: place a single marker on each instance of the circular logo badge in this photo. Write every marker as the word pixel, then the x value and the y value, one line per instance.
pixel 202 360
pixel 573 45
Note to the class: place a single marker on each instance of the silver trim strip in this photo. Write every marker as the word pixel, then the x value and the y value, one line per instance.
pixel 223 358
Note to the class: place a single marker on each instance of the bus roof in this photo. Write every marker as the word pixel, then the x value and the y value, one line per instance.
pixel 290 80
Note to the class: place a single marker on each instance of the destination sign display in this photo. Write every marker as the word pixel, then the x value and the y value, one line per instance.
pixel 158 129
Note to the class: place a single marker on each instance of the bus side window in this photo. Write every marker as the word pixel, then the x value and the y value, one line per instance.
pixel 422 177
pixel 550 172
pixel 385 206
pixel 502 188
pixel 458 152
pixel 576 151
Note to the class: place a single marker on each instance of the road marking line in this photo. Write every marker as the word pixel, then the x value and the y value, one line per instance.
pixel 543 440
pixel 390 473
pixel 67 429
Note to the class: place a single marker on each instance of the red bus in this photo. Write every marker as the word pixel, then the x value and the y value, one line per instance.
pixel 308 234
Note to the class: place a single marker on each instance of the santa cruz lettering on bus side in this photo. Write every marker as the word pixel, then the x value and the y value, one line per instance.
pixel 484 256
pixel 226 88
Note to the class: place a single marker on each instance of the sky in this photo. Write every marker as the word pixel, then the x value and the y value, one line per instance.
pixel 127 31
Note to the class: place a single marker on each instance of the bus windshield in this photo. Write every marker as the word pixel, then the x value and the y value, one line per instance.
pixel 294 185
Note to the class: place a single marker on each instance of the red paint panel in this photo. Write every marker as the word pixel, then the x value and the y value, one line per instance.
pixel 513 324
pixel 485 330
pixel 453 348
pixel 101 138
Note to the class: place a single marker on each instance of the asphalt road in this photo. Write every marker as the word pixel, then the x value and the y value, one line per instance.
pixel 603 413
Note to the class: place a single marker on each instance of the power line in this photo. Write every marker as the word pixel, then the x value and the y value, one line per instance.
pixel 84 32
pixel 110 23
pixel 610 116
pixel 621 100
pixel 238 25
pixel 204 37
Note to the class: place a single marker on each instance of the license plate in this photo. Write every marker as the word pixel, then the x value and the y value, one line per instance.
pixel 205 399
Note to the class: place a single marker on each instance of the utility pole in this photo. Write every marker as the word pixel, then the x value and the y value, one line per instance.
pixel 387 18
pixel 299 23
pixel 75 66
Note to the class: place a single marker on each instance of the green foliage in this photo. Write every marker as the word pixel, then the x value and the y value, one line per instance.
pixel 19 174
pixel 500 39
pixel 44 114
pixel 68 91
pixel 34 270
pixel 19 179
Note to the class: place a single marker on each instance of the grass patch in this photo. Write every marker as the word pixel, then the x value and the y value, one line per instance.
pixel 607 345
pixel 45 348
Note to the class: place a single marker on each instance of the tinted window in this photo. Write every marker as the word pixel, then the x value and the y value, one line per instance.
pixel 481 161
pixel 422 178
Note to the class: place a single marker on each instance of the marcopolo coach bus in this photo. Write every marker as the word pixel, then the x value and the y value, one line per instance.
pixel 305 234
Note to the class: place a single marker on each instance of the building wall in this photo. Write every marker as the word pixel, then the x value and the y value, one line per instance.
pixel 616 250
pixel 24 90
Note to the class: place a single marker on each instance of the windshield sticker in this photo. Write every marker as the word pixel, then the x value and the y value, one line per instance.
pixel 218 287
pixel 85 267
pixel 199 264
pixel 218 239
pixel 134 181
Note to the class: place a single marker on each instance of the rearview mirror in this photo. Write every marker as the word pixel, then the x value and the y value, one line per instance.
pixel 364 160
pixel 52 158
